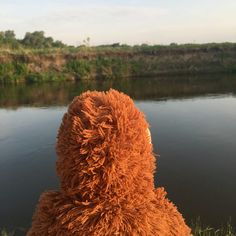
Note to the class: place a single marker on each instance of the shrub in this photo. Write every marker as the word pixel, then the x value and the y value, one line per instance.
pixel 81 68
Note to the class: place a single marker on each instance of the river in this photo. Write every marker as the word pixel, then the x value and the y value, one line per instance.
pixel 193 126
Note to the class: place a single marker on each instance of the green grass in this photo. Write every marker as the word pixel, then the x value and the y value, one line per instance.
pixel 114 62
pixel 197 230
pixel 5 232
pixel 13 71
pixel 16 232
pixel 81 68
pixel 143 48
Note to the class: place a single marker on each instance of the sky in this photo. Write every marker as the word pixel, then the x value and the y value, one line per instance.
pixel 124 21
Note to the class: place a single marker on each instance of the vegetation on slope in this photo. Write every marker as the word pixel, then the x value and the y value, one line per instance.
pixel 38 58
pixel 197 230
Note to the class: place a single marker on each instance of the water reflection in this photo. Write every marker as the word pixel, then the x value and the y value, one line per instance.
pixel 51 94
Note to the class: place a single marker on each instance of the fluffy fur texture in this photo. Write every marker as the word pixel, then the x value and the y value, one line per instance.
pixel 106 166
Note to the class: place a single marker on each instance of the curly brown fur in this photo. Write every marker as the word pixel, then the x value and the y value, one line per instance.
pixel 106 166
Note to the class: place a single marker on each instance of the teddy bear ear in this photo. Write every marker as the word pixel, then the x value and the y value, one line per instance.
pixel 149 135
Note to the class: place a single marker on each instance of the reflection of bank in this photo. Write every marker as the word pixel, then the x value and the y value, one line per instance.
pixel 60 94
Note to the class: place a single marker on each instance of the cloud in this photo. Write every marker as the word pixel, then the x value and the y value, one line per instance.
pixel 102 24
pixel 99 14
pixel 134 22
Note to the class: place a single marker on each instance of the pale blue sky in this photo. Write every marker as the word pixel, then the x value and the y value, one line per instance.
pixel 131 22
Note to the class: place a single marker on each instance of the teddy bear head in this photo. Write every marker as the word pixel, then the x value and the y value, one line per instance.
pixel 104 147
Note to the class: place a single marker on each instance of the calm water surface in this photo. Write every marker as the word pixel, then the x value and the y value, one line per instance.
pixel 193 126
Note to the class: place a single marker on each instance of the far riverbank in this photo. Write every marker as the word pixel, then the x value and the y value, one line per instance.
pixel 115 62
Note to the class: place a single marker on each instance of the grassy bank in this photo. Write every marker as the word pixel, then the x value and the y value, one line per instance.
pixel 197 230
pixel 114 62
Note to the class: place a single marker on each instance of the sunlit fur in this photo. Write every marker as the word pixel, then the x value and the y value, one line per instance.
pixel 106 166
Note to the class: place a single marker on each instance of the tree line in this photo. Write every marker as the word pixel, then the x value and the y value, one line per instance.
pixel 36 39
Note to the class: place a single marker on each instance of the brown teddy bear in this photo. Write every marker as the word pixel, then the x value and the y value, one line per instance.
pixel 106 166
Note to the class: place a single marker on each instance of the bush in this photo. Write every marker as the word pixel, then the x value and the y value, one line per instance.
pixel 33 77
pixel 81 68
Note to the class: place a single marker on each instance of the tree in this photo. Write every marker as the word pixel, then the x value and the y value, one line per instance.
pixel 38 40
pixel 48 42
pixel 58 44
pixel 8 39
pixel 35 39
pixel 1 37
pixel 9 35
